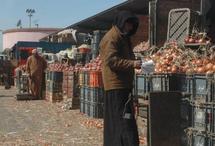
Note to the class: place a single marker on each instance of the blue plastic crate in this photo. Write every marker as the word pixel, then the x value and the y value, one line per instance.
pixel 96 110
pixel 56 76
pixel 82 106
pixel 96 95
pixel 82 93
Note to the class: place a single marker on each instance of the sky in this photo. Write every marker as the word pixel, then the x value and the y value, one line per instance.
pixel 49 13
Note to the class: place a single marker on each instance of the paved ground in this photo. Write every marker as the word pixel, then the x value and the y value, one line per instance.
pixel 40 123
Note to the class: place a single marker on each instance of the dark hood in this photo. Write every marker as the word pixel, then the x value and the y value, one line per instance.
pixel 124 16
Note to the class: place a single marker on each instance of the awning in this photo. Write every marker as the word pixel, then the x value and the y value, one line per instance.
pixel 47 46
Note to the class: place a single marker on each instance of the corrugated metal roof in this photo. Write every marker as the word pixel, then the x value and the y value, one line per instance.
pixel 31 30
pixel 103 20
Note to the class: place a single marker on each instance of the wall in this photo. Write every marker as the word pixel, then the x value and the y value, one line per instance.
pixel 163 8
pixel 11 37
pixel 142 31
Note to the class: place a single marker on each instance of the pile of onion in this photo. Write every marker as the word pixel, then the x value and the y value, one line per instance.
pixel 176 59
pixel 58 67
pixel 197 38
pixel 93 65
pixel 143 46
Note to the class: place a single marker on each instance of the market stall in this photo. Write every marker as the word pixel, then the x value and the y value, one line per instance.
pixel 186 67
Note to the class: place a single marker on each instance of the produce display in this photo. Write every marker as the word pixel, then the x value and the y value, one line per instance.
pixel 174 58
pixel 93 65
pixel 143 46
pixel 197 38
pixel 59 67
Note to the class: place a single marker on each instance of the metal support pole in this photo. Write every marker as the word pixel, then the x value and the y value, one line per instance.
pixel 203 15
pixel 152 22
pixel 30 21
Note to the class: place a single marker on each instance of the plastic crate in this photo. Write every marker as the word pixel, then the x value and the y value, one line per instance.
pixel 202 118
pixel 87 108
pixel 86 78
pixel 48 76
pixel 168 82
pixel 54 86
pixel 96 95
pixel 186 114
pixel 81 78
pixel 54 96
pixel 85 92
pixel 202 87
pixel 56 76
pixel 82 93
pixel 141 85
pixel 95 79
pixel 82 106
pixel 142 112
pixel 200 139
pixel 96 110
pixel 178 24
pixel 184 138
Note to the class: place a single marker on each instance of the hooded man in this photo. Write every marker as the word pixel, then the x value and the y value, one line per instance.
pixel 118 66
pixel 36 66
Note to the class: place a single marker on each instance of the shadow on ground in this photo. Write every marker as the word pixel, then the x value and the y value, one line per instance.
pixel 2 96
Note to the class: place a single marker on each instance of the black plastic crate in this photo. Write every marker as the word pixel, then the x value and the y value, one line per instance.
pixel 186 114
pixel 202 118
pixel 169 82
pixel 141 85
pixel 184 138
pixel 213 140
pixel 96 110
pixel 96 95
pixel 145 83
pixel 202 87
pixel 200 138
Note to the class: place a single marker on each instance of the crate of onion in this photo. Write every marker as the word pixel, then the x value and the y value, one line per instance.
pixel 70 84
pixel 66 77
pixel 90 75
pixel 178 68
pixel 91 86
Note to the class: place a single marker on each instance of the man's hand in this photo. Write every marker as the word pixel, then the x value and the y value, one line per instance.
pixel 137 64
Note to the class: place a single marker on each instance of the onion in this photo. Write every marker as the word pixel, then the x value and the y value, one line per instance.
pixel 199 62
pixel 200 70
pixel 191 40
pixel 186 40
pixel 205 61
pixel 213 68
pixel 209 66
pixel 174 69
pixel 210 72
